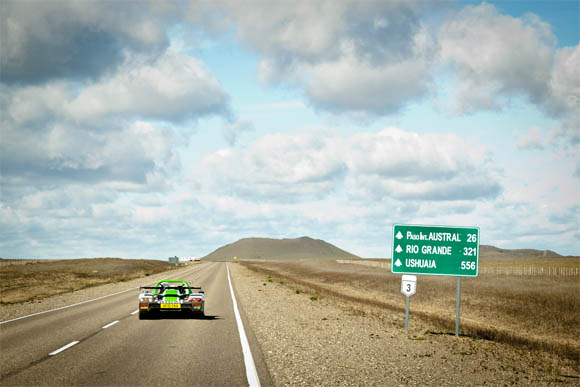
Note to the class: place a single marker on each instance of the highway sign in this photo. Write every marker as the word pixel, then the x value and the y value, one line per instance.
pixel 409 285
pixel 435 250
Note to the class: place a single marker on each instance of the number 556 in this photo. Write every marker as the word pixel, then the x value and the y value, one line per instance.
pixel 467 265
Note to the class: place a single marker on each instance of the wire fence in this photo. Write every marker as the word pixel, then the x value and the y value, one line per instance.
pixel 508 271
pixel 532 271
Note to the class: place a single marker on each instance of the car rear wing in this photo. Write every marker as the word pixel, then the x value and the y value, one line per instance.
pixel 180 288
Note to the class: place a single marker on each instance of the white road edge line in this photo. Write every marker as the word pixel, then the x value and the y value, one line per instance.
pixel 135 312
pixel 67 306
pixel 80 303
pixel 63 348
pixel 251 372
pixel 110 324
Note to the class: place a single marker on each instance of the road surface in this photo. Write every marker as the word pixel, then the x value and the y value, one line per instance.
pixel 103 343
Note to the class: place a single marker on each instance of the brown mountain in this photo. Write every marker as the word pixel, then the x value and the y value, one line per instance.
pixel 278 250
pixel 486 251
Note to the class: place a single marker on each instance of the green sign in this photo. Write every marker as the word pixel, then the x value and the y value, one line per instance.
pixel 435 250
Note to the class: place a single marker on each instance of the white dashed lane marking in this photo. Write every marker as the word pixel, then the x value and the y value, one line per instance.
pixel 110 324
pixel 63 348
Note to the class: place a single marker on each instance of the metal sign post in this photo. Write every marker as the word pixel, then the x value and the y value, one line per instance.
pixel 407 315
pixel 457 306
pixel 408 288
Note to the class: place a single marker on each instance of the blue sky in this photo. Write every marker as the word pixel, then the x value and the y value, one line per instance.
pixel 173 128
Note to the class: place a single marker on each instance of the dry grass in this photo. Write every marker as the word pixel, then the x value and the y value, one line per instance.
pixel 32 280
pixel 530 262
pixel 535 312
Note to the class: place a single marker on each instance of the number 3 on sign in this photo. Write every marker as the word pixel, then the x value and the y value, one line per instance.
pixel 409 285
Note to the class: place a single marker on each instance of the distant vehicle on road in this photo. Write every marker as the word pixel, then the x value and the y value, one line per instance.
pixel 171 296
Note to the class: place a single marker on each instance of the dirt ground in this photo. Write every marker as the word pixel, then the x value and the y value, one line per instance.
pixel 305 322
pixel 34 280
pixel 330 324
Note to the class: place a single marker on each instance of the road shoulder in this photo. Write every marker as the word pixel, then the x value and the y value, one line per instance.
pixel 321 341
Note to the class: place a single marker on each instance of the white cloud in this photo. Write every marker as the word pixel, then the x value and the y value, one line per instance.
pixel 565 89
pixel 348 56
pixel 74 132
pixel 499 57
pixel 173 87
pixel 391 163
pixel 403 165
pixel 135 157
pixel 70 39
pixel 354 85
pixel 277 166
pixel 496 56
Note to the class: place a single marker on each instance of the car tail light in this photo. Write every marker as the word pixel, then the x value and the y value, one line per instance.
pixel 143 304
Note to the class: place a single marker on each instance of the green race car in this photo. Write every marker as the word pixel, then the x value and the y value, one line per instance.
pixel 171 296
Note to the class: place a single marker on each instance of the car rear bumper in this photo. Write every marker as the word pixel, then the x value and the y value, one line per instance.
pixel 183 308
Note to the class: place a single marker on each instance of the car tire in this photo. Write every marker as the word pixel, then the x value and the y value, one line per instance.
pixel 143 315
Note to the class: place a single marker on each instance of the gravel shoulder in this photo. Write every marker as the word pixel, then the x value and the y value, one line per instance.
pixel 327 342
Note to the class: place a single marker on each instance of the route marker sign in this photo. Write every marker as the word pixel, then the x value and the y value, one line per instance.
pixel 435 250
pixel 409 285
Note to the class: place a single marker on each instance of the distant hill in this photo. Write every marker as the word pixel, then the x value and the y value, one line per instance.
pixel 486 251
pixel 278 250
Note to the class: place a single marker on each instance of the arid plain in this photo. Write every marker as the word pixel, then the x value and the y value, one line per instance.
pixel 519 317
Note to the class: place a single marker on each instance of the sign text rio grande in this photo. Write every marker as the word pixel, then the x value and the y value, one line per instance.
pixel 435 250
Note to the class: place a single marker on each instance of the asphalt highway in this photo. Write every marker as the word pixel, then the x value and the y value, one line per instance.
pixel 103 343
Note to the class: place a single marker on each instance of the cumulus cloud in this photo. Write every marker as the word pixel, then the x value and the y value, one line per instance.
pixel 399 164
pixel 565 89
pixel 70 39
pixel 391 163
pixel 135 157
pixel 97 131
pixel 376 58
pixel 348 56
pixel 172 87
pixel 497 57
pixel 277 166
pixel 354 85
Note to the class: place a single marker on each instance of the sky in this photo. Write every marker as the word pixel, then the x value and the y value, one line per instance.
pixel 160 128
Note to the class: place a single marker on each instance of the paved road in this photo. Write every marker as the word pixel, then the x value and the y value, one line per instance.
pixel 131 352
